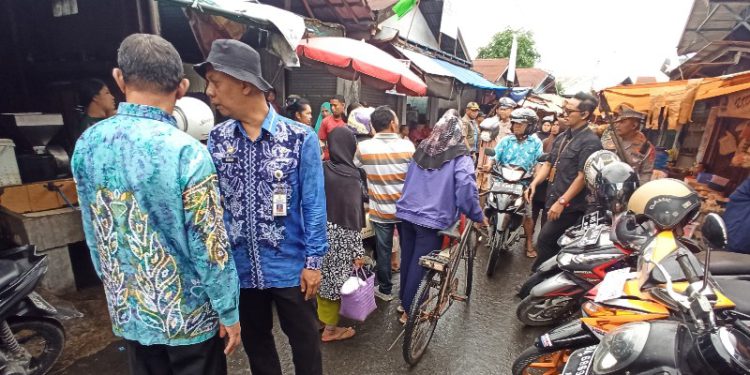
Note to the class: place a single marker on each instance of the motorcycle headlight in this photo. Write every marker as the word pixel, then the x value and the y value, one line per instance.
pixel 620 348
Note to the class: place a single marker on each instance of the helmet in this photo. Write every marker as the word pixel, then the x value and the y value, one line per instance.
pixel 506 102
pixel 667 202
pixel 594 164
pixel 615 183
pixel 194 117
pixel 525 116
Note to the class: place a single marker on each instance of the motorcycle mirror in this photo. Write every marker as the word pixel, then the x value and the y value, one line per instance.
pixel 714 230
pixel 489 151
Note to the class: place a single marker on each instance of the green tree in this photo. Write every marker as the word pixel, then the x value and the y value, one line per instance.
pixel 560 87
pixel 499 47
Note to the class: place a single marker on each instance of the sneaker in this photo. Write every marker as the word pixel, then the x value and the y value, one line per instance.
pixel 383 296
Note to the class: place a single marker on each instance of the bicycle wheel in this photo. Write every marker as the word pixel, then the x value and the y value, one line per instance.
pixel 423 317
pixel 467 251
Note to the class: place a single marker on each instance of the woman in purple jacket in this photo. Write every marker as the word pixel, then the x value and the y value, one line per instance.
pixel 439 185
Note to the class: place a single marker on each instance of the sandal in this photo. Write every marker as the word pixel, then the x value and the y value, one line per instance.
pixel 531 253
pixel 343 334
pixel 403 319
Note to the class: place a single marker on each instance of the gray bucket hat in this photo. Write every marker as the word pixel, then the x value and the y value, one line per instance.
pixel 236 59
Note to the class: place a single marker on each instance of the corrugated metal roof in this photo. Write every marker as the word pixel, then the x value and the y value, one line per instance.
pixel 712 20
pixel 492 69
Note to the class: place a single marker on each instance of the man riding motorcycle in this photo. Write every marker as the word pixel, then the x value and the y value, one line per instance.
pixel 522 149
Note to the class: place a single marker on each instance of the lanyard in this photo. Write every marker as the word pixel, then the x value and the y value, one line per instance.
pixel 565 145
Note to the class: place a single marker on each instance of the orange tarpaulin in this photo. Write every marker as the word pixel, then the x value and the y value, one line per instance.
pixel 677 98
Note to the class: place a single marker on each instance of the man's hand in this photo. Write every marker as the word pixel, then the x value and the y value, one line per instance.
pixel 231 336
pixel 309 282
pixel 555 211
pixel 529 193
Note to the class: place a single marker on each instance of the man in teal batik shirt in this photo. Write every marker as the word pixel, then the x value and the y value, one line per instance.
pixel 154 224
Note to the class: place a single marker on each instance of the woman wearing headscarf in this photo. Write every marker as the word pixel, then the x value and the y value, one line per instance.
pixel 325 111
pixel 439 185
pixel 359 123
pixel 346 218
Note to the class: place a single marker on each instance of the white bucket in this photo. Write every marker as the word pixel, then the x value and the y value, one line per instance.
pixel 9 174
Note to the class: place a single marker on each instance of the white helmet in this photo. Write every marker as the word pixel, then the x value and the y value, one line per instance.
pixel 595 163
pixel 194 117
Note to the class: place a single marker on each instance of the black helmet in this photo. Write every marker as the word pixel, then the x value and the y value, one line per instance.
pixel 615 183
pixel 667 202
pixel 525 116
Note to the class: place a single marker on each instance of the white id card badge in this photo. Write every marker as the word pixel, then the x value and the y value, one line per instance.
pixel 279 204
pixel 279 196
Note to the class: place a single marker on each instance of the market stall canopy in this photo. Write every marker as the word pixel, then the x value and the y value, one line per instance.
pixel 471 78
pixel 677 98
pixel 238 18
pixel 349 58
pixel 713 20
pixel 441 76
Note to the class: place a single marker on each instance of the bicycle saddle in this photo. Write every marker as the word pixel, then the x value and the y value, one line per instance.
pixel 452 231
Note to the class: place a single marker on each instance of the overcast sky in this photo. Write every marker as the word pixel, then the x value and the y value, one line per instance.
pixel 584 42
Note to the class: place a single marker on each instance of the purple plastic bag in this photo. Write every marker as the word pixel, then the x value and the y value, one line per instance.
pixel 360 303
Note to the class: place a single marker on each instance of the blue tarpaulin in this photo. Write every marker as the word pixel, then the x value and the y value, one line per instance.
pixel 471 78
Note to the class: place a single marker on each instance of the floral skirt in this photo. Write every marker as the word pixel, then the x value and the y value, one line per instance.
pixel 345 245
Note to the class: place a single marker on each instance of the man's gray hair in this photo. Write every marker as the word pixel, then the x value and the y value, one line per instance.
pixel 150 62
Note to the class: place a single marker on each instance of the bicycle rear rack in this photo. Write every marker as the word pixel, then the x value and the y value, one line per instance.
pixel 435 261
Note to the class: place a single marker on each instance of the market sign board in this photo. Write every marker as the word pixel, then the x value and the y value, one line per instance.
pixel 738 105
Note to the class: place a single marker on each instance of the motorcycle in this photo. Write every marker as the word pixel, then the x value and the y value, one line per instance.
pixel 638 299
pixel 590 251
pixel 697 342
pixel 31 338
pixel 504 209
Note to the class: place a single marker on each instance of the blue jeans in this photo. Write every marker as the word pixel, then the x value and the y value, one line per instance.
pixel 383 249
pixel 416 241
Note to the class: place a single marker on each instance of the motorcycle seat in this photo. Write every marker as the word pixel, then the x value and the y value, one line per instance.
pixel 737 290
pixel 9 271
pixel 727 263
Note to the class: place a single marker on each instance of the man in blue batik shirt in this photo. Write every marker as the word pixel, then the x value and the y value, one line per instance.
pixel 150 206
pixel 522 148
pixel 271 180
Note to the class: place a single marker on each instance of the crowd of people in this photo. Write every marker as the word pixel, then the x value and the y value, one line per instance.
pixel 195 245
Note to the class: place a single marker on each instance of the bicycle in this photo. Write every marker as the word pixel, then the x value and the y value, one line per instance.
pixel 439 288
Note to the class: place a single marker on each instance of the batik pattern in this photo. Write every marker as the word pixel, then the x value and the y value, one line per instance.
pixel 250 173
pixel 202 201
pixel 153 223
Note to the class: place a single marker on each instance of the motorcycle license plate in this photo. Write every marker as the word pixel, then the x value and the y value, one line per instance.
pixel 613 284
pixel 591 237
pixel 504 187
pixel 579 361
pixel 41 304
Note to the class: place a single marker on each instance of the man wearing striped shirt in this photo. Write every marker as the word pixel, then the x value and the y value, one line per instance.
pixel 385 158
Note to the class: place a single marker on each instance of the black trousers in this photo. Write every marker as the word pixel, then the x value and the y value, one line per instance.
pixel 203 358
pixel 546 243
pixel 299 321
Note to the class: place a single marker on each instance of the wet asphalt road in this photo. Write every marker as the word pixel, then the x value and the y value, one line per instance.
pixel 481 337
